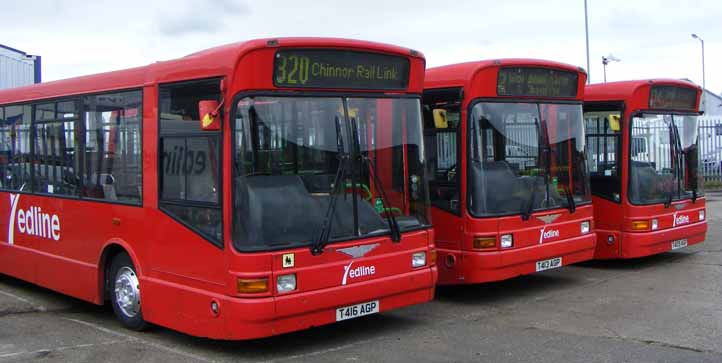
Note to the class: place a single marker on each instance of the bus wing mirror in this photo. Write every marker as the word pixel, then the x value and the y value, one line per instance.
pixel 208 111
pixel 440 120
pixel 614 122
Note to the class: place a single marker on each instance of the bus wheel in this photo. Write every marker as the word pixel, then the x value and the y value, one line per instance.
pixel 125 292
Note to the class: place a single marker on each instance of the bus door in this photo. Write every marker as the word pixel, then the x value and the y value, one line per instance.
pixel 603 130
pixel 442 125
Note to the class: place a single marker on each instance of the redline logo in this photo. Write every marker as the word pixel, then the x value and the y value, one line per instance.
pixel 552 233
pixel 359 271
pixel 33 221
pixel 683 219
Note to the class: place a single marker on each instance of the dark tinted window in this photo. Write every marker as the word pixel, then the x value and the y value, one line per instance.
pixel 190 160
pixel 442 117
pixel 603 135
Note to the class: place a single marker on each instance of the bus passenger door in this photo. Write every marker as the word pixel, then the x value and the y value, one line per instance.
pixel 441 139
pixel 603 156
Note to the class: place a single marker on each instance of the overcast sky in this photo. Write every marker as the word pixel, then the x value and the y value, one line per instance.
pixel 652 38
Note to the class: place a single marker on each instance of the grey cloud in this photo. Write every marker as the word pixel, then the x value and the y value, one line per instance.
pixel 199 17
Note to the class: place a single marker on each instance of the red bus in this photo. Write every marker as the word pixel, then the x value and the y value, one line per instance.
pixel 239 192
pixel 508 186
pixel 643 163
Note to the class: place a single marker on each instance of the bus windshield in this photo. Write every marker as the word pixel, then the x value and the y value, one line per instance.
pixel 526 157
pixel 290 151
pixel 663 166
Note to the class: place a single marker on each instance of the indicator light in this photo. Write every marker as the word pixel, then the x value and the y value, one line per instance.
pixel 252 286
pixel 484 242
pixel 701 215
pixel 640 225
pixel 655 224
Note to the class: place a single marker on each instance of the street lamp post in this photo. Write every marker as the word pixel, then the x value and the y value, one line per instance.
pixel 605 61
pixel 586 32
pixel 695 36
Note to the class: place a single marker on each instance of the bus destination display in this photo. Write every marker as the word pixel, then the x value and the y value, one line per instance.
pixel 536 82
pixel 671 97
pixel 323 68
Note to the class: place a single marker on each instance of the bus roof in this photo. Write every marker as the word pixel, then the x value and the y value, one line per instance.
pixel 213 62
pixel 462 74
pixel 624 90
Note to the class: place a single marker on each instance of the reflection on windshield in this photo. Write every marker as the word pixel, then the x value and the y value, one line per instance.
pixel 664 165
pixel 288 152
pixel 526 157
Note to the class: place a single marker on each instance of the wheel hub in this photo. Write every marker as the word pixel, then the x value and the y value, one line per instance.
pixel 127 292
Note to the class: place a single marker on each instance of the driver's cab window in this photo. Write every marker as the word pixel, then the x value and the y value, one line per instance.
pixel 603 139
pixel 442 116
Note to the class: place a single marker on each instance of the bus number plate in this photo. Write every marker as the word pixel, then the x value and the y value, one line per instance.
pixel 548 264
pixel 679 243
pixel 354 311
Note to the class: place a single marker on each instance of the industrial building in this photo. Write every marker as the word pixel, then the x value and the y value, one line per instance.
pixel 18 68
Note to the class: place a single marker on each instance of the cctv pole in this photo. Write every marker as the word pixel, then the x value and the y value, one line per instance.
pixel 586 32
pixel 695 36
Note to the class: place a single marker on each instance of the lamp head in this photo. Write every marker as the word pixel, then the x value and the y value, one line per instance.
pixel 695 36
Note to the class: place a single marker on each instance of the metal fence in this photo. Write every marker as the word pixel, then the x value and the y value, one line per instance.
pixel 710 148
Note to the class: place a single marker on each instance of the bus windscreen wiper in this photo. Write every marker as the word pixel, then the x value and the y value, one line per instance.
pixel 343 158
pixel 571 204
pixel 390 218
pixel 528 208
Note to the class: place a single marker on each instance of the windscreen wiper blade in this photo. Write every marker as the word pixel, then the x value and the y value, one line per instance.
pixel 571 203
pixel 390 218
pixel 322 238
pixel 529 206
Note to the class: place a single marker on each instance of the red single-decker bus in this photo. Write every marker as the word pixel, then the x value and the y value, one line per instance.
pixel 643 160
pixel 509 190
pixel 239 192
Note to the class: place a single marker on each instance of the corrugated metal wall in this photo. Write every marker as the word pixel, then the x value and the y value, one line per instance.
pixel 16 69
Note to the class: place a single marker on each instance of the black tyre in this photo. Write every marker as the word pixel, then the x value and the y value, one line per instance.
pixel 124 291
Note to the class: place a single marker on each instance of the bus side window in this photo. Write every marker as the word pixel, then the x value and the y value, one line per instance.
pixel 189 169
pixel 112 158
pixel 603 145
pixel 55 167
pixel 15 148
pixel 442 116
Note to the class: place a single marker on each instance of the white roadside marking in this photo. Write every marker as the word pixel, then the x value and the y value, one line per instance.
pixel 58 349
pixel 22 299
pixel 142 341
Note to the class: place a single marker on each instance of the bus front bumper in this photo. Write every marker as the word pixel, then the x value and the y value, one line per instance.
pixel 480 267
pixel 250 318
pixel 640 244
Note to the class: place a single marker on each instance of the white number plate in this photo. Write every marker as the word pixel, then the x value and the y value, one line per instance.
pixel 679 244
pixel 354 311
pixel 548 264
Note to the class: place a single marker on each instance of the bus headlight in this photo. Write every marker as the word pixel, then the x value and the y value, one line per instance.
pixel 655 224
pixel 507 241
pixel 286 283
pixel 701 215
pixel 585 227
pixel 418 259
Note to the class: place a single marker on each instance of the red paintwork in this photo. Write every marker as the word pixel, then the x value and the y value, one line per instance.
pixel 455 234
pixel 180 272
pixel 614 219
